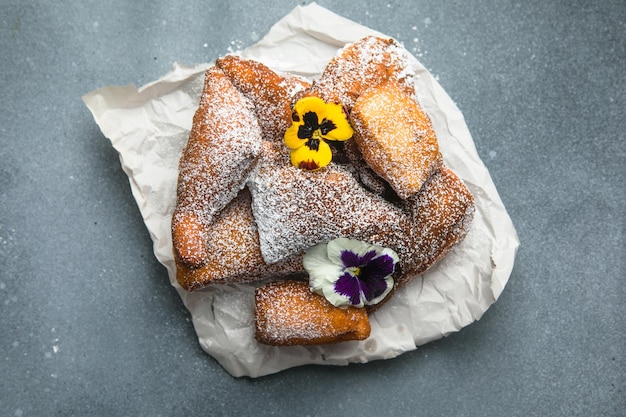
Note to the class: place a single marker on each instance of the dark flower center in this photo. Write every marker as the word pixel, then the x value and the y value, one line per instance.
pixel 311 125
pixel 327 126
pixel 352 260
pixel 367 277
pixel 313 144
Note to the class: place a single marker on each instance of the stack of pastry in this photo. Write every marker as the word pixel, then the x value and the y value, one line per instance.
pixel 245 213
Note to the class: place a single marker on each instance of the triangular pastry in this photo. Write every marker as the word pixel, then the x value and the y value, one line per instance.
pixel 296 209
pixel 222 148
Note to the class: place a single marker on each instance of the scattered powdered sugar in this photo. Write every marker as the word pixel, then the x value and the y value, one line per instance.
pixel 285 315
pixel 223 145
pixel 441 215
pixel 235 46
pixel 363 65
pixel 263 232
pixel 363 172
pixel 294 86
pixel 296 209
pixel 265 90
pixel 395 137
pixel 234 250
pixel 288 313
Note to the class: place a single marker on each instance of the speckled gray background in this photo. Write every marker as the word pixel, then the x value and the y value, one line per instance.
pixel 89 324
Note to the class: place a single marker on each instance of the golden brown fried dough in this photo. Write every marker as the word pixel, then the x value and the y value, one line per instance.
pixel 363 172
pixel 223 145
pixel 295 87
pixel 288 313
pixel 234 253
pixel 244 213
pixel 441 215
pixel 360 66
pixel 396 138
pixel 295 209
pixel 268 91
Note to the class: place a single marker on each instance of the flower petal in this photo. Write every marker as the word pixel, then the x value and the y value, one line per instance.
pixel 323 274
pixel 310 104
pixel 337 247
pixel 342 131
pixel 375 291
pixel 391 253
pixel 291 136
pixel 349 286
pixel 351 272
pixel 333 297
pixel 353 260
pixel 307 158
pixel 317 264
pixel 378 268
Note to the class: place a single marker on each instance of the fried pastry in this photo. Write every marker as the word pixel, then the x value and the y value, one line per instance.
pixel 288 313
pixel 396 138
pixel 296 87
pixel 245 213
pixel 234 253
pixel 362 65
pixel 440 215
pixel 222 148
pixel 268 92
pixel 296 209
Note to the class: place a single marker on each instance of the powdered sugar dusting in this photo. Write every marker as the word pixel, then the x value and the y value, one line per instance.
pixel 294 86
pixel 234 250
pixel 223 145
pixel 363 65
pixel 288 313
pixel 265 89
pixel 396 138
pixel 282 210
pixel 441 215
pixel 363 172
pixel 296 209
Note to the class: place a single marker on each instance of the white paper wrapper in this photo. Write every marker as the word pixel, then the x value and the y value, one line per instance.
pixel 149 127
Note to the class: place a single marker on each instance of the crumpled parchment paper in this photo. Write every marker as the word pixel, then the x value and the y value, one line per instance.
pixel 149 127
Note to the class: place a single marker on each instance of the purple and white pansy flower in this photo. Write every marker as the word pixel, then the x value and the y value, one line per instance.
pixel 350 272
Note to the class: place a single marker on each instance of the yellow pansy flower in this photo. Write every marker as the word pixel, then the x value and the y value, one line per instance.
pixel 314 123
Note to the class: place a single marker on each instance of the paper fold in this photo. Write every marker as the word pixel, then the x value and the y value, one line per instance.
pixel 149 128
